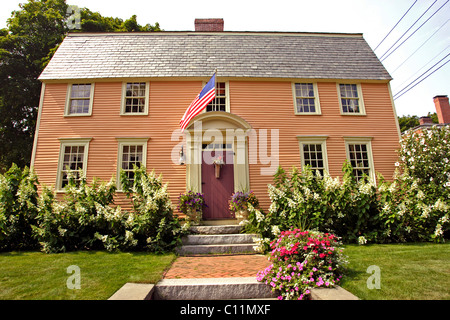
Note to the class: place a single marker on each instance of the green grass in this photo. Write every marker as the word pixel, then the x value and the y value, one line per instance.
pixel 419 271
pixel 36 275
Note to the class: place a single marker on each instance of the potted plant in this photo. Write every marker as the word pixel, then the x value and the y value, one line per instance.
pixel 239 204
pixel 191 204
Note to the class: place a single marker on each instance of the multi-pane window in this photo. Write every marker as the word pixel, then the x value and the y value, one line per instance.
pixel 73 158
pixel 305 100
pixel 132 152
pixel 80 99
pixel 350 100
pixel 219 103
pixel 132 155
pixel 359 156
pixel 135 100
pixel 313 151
pixel 313 157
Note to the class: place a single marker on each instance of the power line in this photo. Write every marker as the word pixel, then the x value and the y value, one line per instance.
pixel 395 26
pixel 408 29
pixel 400 93
pixel 422 45
pixel 423 66
pixel 421 80
pixel 415 30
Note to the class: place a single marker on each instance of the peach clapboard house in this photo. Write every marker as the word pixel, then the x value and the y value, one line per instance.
pixel 111 100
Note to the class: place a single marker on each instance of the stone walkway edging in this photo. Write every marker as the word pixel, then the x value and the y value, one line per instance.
pixel 141 291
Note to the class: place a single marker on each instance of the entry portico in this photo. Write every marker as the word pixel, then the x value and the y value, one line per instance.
pixel 217 159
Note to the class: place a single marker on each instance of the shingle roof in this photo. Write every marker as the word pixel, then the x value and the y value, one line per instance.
pixel 197 54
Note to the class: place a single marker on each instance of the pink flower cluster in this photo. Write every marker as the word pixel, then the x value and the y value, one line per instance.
pixel 301 260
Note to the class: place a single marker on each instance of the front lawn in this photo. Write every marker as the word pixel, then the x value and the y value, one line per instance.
pixel 36 275
pixel 416 271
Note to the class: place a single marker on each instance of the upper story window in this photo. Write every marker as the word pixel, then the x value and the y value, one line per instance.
pixel 306 98
pixel 350 99
pixel 221 101
pixel 135 98
pixel 80 98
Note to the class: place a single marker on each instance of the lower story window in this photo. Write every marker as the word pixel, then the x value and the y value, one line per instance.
pixel 132 153
pixel 359 153
pixel 314 153
pixel 73 160
pixel 131 157
pixel 313 157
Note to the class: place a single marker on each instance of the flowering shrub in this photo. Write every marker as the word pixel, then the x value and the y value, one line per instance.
pixel 426 156
pixel 18 208
pixel 86 218
pixel 302 260
pixel 153 223
pixel 311 201
pixel 415 205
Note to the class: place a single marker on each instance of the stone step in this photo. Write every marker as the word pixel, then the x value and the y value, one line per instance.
pixel 220 229
pixel 216 249
pixel 211 289
pixel 218 239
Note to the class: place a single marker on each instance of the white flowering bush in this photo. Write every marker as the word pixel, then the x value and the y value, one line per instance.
pixel 416 205
pixel 88 219
pixel 18 208
pixel 308 200
pixel 153 222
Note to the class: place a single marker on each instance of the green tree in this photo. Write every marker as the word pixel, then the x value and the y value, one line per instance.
pixel 26 46
pixel 408 122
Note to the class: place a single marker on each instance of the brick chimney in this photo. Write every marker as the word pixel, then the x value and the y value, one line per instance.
pixel 209 25
pixel 425 120
pixel 442 108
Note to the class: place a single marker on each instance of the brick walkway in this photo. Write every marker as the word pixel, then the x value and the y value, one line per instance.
pixel 223 266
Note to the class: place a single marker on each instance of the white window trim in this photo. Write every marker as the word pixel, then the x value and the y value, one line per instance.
pixel 316 99
pixel 227 95
pixel 368 142
pixel 322 140
pixel 124 94
pixel 129 141
pixel 68 98
pixel 362 109
pixel 66 142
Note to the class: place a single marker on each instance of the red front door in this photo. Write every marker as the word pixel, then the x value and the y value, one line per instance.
pixel 217 191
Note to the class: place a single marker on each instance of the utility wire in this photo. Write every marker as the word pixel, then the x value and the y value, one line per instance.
pixel 423 66
pixel 415 31
pixel 421 80
pixel 421 45
pixel 400 93
pixel 408 29
pixel 395 26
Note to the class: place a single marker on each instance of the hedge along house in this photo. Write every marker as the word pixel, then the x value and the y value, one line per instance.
pixel 112 100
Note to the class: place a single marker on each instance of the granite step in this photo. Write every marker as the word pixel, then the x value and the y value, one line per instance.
pixel 202 239
pixel 211 289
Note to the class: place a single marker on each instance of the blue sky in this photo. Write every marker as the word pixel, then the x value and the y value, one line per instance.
pixel 373 18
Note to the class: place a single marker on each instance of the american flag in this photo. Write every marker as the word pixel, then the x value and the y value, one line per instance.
pixel 205 96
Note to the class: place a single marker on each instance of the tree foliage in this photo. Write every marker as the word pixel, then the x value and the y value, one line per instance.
pixel 26 46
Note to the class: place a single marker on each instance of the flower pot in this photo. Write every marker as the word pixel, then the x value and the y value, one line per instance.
pixel 217 170
pixel 242 215
pixel 194 216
